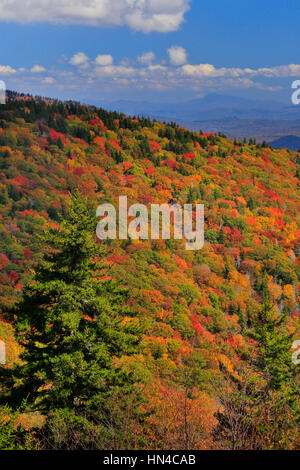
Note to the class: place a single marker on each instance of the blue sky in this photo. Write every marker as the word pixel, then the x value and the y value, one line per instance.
pixel 158 50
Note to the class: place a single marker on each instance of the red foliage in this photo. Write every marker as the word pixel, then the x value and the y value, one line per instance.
pixel 98 123
pixel 127 166
pixel 27 253
pixel 173 164
pixel 189 156
pixel 154 146
pixel 150 171
pixel 13 276
pixel 196 325
pixel 54 136
pixel 3 260
pixel 115 144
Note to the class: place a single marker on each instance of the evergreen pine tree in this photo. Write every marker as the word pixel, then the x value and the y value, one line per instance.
pixel 69 323
pixel 260 405
pixel 274 350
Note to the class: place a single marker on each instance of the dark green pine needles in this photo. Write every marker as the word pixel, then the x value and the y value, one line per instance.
pixel 70 325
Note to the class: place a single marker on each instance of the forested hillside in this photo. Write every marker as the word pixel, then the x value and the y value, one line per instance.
pixel 215 327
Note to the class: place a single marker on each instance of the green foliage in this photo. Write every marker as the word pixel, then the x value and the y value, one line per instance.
pixel 70 324
pixel 80 329
pixel 274 351
pixel 12 435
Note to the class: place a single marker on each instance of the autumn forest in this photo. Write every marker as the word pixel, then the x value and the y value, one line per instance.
pixel 142 344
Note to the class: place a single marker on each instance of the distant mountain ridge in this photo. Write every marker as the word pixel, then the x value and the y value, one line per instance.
pixel 291 142
pixel 234 116
pixel 211 106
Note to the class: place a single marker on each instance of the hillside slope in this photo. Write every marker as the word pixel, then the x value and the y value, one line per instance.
pixel 191 304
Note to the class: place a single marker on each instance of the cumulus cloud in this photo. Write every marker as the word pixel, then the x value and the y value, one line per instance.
pixel 79 59
pixel 292 70
pixel 140 15
pixel 49 80
pixel 147 58
pixel 177 55
pixel 146 73
pixel 203 75
pixel 115 71
pixel 37 69
pixel 104 59
pixel 6 70
pixel 209 70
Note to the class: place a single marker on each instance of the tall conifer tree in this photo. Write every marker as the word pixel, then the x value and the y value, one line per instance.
pixel 69 323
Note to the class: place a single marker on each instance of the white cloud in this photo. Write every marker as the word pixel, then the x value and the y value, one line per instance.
pixel 209 70
pixel 146 74
pixel 37 69
pixel 115 71
pixel 104 59
pixel 164 23
pixel 246 83
pixel 147 58
pixel 177 55
pixel 181 76
pixel 140 15
pixel 292 70
pixel 155 68
pixel 79 59
pixel 49 80
pixel 6 70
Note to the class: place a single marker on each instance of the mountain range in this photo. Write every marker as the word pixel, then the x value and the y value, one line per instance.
pixel 234 116
pixel 195 327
